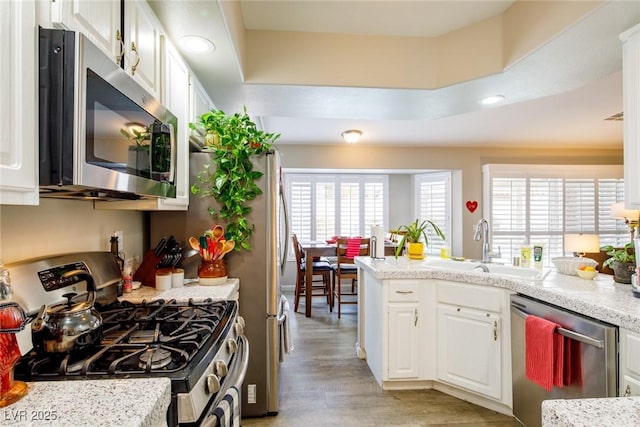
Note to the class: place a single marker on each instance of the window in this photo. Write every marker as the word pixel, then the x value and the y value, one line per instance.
pixel 324 205
pixel 539 204
pixel 433 202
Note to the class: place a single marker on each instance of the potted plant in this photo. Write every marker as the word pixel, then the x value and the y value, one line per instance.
pixel 412 235
pixel 231 179
pixel 622 261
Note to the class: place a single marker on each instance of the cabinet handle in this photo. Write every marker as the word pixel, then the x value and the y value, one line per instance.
pixel 627 391
pixel 121 43
pixel 404 292
pixel 495 330
pixel 415 317
pixel 135 65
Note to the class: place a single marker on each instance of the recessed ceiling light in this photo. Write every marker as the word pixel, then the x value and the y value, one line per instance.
pixel 197 44
pixel 494 99
pixel 352 136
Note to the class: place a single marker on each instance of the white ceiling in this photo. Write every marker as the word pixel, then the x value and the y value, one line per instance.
pixel 557 96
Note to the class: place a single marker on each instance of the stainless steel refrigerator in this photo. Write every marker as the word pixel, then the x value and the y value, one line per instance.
pixel 259 272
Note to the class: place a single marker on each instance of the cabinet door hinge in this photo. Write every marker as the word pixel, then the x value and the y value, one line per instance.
pixel 415 317
pixel 495 330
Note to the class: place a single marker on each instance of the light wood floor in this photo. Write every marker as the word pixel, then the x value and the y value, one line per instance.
pixel 323 383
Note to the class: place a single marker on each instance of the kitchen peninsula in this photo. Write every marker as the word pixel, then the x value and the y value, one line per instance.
pixel 446 325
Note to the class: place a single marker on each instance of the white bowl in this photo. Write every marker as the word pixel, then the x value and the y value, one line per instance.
pixel 212 281
pixel 569 264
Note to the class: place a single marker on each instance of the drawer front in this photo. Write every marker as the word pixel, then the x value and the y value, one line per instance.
pixel 475 296
pixel 405 290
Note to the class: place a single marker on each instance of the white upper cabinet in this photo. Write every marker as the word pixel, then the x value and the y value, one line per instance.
pixel 18 108
pixel 631 108
pixel 99 20
pixel 176 99
pixel 142 52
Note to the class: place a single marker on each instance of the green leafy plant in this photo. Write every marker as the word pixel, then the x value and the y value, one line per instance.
pixel 231 179
pixel 623 255
pixel 413 232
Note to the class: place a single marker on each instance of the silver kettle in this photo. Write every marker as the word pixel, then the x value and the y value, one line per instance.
pixel 69 326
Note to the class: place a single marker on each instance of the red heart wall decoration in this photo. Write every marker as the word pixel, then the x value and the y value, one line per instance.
pixel 472 205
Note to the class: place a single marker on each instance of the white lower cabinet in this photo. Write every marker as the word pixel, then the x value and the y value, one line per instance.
pixel 404 331
pixel 629 363
pixel 469 350
pixel 427 333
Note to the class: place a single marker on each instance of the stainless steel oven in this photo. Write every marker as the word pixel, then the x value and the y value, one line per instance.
pixel 199 344
pixel 101 133
pixel 595 358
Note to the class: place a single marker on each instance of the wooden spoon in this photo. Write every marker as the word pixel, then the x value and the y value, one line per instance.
pixel 218 232
pixel 195 244
pixel 228 247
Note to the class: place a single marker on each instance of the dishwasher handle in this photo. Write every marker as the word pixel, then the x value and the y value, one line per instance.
pixel 567 332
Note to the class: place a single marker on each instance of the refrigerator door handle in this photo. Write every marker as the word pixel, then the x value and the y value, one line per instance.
pixel 283 261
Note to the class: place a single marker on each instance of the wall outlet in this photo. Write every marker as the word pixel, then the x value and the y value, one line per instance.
pixel 251 393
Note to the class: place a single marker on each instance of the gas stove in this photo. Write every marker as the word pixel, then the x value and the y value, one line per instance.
pixel 199 345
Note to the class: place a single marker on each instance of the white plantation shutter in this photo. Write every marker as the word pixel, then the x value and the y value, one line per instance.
pixel 325 209
pixel 540 203
pixel 299 201
pixel 434 204
pixel 326 205
pixel 374 204
pixel 349 209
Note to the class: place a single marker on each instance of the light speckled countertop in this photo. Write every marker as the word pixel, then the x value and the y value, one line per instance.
pixel 108 402
pixel 198 292
pixel 601 298
pixel 611 412
pixel 130 402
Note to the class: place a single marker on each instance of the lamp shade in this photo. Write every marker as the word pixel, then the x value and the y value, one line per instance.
pixel 581 243
pixel 618 211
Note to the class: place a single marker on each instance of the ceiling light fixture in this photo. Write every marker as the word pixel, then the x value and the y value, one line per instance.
pixel 351 136
pixel 494 99
pixel 197 44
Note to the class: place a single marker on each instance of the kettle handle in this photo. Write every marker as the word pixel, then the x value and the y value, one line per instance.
pixel 82 275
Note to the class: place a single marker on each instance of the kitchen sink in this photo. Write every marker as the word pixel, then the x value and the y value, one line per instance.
pixel 500 270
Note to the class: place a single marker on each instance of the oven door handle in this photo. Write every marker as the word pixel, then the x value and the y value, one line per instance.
pixel 567 332
pixel 243 348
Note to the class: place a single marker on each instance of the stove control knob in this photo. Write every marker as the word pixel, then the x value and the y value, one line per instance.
pixel 233 346
pixel 220 368
pixel 239 328
pixel 240 320
pixel 213 384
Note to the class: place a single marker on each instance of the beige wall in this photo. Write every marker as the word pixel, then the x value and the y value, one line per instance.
pixel 62 226
pixel 468 160
pixel 57 226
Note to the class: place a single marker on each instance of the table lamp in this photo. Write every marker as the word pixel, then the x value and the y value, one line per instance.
pixel 630 217
pixel 581 243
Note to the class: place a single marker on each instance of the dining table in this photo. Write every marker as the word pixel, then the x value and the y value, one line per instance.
pixel 313 249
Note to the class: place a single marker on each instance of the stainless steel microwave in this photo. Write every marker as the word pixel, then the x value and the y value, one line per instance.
pixel 102 136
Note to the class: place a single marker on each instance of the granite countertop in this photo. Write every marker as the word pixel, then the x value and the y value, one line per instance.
pixel 130 402
pixel 610 412
pixel 195 291
pixel 601 298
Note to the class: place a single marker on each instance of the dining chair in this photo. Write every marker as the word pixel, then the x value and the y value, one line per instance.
pixel 320 268
pixel 345 269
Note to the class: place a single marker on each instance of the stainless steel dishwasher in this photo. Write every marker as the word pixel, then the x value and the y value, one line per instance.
pixel 596 341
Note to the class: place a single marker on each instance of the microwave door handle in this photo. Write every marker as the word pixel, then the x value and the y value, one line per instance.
pixel 567 332
pixel 174 157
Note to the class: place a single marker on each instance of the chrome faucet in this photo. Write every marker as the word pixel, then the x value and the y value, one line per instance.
pixel 482 233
